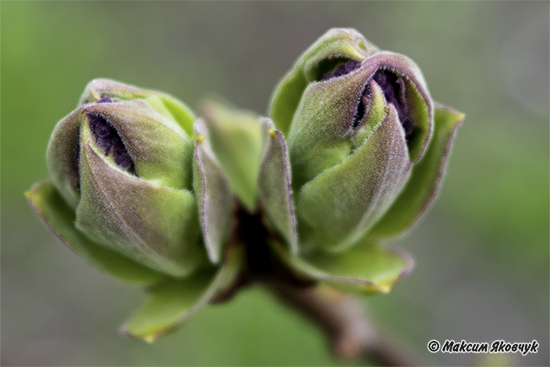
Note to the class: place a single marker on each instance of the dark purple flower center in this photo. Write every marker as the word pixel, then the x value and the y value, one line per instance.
pixel 361 111
pixel 393 88
pixel 108 141
pixel 104 99
pixel 342 68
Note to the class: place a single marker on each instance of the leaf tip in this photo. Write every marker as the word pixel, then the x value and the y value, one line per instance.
pixel 149 338
pixel 385 288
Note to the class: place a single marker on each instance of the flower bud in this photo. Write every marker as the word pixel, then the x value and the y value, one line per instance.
pixel 357 122
pixel 123 162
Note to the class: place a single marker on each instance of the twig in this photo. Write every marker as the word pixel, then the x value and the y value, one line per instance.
pixel 342 318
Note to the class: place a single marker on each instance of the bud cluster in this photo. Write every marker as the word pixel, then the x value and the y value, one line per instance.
pixel 352 152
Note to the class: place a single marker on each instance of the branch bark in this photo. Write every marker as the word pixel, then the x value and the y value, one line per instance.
pixel 343 320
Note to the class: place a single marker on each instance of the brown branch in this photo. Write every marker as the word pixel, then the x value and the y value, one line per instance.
pixel 343 320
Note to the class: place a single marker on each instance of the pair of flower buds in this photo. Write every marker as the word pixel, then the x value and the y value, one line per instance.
pixel 353 152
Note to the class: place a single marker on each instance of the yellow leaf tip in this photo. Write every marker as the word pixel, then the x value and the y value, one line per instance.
pixel 385 288
pixel 149 338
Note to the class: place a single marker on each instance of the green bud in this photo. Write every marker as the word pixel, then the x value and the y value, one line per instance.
pixel 130 180
pixel 359 124
pixel 123 163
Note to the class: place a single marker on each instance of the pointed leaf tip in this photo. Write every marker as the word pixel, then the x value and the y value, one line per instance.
pixel 274 185
pixel 214 198
pixel 367 268
pixel 175 301
pixel 170 303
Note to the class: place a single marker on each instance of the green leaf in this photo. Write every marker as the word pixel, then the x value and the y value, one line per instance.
pixel 214 197
pixel 236 139
pixel 425 180
pixel 285 99
pixel 367 268
pixel 154 225
pixel 338 207
pixel 376 112
pixel 175 301
pixel 274 190
pixel 159 147
pixel 170 303
pixel 62 157
pixel 163 103
pixel 337 43
pixel 319 137
pixel 181 113
pixel 60 218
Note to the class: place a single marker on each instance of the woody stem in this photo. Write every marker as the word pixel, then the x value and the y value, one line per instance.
pixel 343 320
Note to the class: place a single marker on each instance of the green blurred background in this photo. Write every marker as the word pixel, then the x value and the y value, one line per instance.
pixel 482 253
